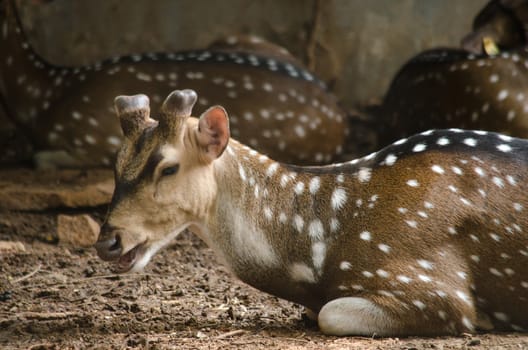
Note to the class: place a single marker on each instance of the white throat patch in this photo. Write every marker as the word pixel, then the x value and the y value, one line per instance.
pixel 249 243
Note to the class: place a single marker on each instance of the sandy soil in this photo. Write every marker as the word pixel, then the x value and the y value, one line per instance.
pixel 55 295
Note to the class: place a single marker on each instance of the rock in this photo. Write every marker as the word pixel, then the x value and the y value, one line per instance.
pixel 12 247
pixel 201 335
pixel 473 342
pixel 78 230
pixel 24 189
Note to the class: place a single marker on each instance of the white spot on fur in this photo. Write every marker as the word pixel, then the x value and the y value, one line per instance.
pixel 403 279
pixel 424 278
pixel 316 230
pixel 315 183
pixel 467 323
pixel 505 138
pixel 438 169
pixel 143 76
pixel 464 297
pixel 365 235
pixel 384 248
pixel 300 272
pixel 502 95
pixel 339 198
pixel 334 224
pixel 425 264
pixel 298 222
pixel 462 274
pixel 76 115
pixel 364 175
pixel 90 139
pixel 285 178
pixel 4 30
pixel 420 147
pixel 382 273
pixel 504 148
pixel 242 173
pixel 457 170
pixel 413 183
pixel 411 223
pixel 318 255
pixel 480 172
pixel 498 182
pixel 345 266
pixel 367 274
pixel 272 169
pixel 299 188
pixel 419 304
pixel 400 142
pixel 501 316
pixel 443 141
pixel 470 142
pixel 268 213
pixel 390 159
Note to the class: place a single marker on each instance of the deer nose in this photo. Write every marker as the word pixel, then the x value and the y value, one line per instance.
pixel 108 244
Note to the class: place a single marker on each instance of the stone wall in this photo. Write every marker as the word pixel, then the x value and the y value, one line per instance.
pixel 359 45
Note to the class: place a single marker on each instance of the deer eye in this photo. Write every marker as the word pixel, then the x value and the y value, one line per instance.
pixel 171 170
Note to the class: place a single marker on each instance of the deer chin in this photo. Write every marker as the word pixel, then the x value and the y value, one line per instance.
pixel 138 257
pixel 134 260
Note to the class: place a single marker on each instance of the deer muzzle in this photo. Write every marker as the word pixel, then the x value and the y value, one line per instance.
pixel 108 244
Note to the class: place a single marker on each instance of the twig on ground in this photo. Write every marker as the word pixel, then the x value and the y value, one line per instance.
pixel 30 315
pixel 29 275
pixel 231 334
pixel 86 279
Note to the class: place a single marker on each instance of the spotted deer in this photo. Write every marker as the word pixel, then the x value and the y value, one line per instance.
pixel 276 105
pixel 427 236
pixel 482 86
pixel 449 88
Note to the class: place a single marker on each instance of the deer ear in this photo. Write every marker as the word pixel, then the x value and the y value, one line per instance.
pixel 213 131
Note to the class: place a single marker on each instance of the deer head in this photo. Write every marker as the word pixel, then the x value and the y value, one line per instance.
pixel 502 24
pixel 161 165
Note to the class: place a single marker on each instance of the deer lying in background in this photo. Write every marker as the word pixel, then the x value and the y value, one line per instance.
pixel 277 106
pixel 482 88
pixel 428 236
pixel 446 88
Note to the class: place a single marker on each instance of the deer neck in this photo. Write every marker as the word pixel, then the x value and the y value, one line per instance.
pixel 25 78
pixel 273 223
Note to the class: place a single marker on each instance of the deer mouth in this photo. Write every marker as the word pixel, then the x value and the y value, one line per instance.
pixel 128 260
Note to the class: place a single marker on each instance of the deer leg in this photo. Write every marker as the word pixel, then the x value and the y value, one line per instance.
pixel 54 160
pixel 310 314
pixel 387 316
pixel 355 316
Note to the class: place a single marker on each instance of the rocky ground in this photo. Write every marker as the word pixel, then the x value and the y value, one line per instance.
pixel 56 294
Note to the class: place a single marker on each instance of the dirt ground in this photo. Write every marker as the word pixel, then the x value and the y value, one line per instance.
pixel 58 295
